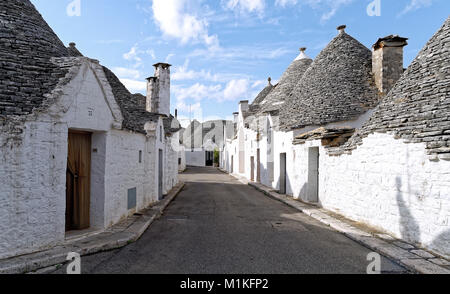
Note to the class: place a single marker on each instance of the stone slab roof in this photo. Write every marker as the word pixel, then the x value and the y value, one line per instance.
pixel 27 45
pixel 262 95
pixel 418 107
pixel 338 86
pixel 135 116
pixel 272 98
pixel 290 78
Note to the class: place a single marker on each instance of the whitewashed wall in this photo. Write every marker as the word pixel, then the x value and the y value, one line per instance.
pixel 393 186
pixel 182 156
pixel 32 188
pixel 195 158
pixel 33 165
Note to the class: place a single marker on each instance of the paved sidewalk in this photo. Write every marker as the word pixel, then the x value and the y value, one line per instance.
pixel 119 235
pixel 408 255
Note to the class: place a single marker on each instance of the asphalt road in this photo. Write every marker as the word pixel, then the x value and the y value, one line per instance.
pixel 217 225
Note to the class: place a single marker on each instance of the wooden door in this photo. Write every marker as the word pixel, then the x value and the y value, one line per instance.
pixel 78 184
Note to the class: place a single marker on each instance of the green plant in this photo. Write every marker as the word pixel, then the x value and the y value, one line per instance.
pixel 216 156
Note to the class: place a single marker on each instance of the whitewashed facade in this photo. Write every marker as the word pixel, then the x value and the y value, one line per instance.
pixel 124 148
pixel 398 184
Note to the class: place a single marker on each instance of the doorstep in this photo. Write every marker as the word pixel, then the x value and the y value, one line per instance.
pixel 416 259
pixel 119 235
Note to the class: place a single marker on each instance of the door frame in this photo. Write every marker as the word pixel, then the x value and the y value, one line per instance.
pixel 283 173
pixel 84 211
pixel 313 174
pixel 160 173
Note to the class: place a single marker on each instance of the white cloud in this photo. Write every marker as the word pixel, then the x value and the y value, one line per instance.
pixel 183 73
pixel 132 55
pixel 242 53
pixel 331 7
pixel 126 72
pixel 168 57
pixel 174 20
pixel 134 86
pixel 151 52
pixel 415 5
pixel 197 92
pixel 243 6
pixel 183 107
pixel 284 3
pixel 236 89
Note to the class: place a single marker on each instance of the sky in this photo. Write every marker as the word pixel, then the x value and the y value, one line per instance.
pixel 223 51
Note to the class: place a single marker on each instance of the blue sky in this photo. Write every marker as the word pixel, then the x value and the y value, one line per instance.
pixel 223 51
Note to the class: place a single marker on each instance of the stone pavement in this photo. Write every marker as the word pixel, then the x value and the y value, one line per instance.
pixel 119 235
pixel 408 255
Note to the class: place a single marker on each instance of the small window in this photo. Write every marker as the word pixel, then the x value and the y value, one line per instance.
pixel 140 156
pixel 160 133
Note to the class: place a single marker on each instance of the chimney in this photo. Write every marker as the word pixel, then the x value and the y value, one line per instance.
pixel 176 113
pixel 158 90
pixel 387 61
pixel 341 29
pixel 302 54
pixel 243 106
pixel 236 117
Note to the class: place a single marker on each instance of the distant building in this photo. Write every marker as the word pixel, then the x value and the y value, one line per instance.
pixel 200 140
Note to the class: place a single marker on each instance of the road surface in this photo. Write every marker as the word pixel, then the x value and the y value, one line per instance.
pixel 217 225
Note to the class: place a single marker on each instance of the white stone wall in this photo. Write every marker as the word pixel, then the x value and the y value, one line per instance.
pixel 182 157
pixel 33 165
pixel 385 183
pixel 393 186
pixel 195 158
pixel 32 188
pixel 171 167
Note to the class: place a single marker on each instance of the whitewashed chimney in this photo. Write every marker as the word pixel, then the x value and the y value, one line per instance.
pixel 341 29
pixel 236 117
pixel 387 61
pixel 243 106
pixel 158 90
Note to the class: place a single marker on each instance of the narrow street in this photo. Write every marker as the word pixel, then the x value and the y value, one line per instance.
pixel 217 225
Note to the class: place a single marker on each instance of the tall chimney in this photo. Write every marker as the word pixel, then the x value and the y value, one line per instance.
pixel 151 93
pixel 158 90
pixel 236 117
pixel 387 61
pixel 243 106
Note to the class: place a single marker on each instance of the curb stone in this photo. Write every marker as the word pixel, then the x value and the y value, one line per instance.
pixel 415 259
pixel 118 236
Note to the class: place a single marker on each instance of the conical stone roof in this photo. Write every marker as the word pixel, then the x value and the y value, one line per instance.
pixel 26 45
pixel 338 86
pixel 287 82
pixel 417 108
pixel 262 95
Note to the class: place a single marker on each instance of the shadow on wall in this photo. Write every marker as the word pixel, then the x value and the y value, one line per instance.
pixel 410 229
